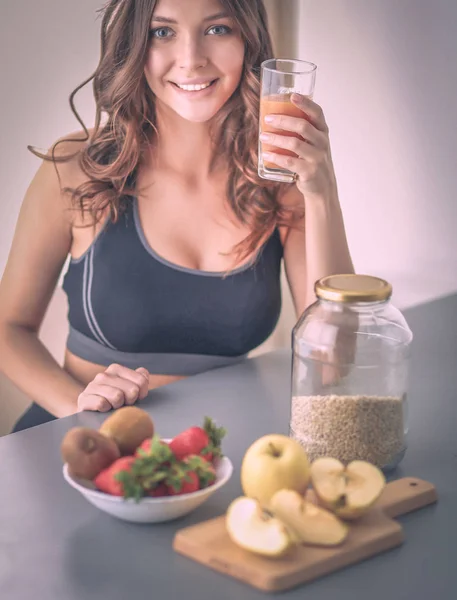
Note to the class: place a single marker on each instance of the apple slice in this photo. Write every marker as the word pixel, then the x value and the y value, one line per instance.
pixel 252 529
pixel 347 491
pixel 312 524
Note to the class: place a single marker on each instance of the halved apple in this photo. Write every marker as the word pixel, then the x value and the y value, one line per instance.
pixel 348 491
pixel 312 524
pixel 254 530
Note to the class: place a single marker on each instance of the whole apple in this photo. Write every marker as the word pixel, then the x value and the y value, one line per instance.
pixel 271 463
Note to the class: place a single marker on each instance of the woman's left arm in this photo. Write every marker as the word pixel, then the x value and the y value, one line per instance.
pixel 319 248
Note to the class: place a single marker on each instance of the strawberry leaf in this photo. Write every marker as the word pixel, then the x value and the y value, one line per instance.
pixel 215 434
pixel 178 474
pixel 131 487
pixel 203 469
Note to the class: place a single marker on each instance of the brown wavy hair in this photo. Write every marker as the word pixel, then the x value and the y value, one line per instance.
pixel 125 122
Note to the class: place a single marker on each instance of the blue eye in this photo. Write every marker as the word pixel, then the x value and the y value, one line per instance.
pixel 156 33
pixel 222 29
pixel 163 33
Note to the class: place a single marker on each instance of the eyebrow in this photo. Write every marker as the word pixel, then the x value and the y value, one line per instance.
pixel 220 15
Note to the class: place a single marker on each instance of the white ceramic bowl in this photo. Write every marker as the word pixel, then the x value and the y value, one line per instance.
pixel 150 510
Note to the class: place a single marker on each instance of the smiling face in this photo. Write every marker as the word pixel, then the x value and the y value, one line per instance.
pixel 195 60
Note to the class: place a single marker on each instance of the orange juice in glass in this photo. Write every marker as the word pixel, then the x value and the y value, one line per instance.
pixel 280 78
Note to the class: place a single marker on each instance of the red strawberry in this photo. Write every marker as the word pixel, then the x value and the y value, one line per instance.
pixel 154 460
pixel 146 446
pixel 160 490
pixel 189 483
pixel 190 441
pixel 205 441
pixel 106 480
pixel 205 471
pixel 188 475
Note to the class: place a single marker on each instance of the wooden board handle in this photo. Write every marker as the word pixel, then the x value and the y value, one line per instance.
pixel 405 495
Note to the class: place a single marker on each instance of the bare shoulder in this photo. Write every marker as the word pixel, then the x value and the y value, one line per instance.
pixel 61 170
pixel 42 239
pixel 66 152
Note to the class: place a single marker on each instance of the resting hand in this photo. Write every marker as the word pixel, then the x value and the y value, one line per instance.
pixel 115 387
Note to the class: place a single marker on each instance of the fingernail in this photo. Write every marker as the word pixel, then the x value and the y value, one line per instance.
pixel 296 97
pixel 269 119
pixel 267 155
pixel 265 137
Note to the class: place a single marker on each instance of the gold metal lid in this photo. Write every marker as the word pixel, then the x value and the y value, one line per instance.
pixel 353 288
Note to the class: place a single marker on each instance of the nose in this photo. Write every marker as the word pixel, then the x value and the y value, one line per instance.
pixel 191 54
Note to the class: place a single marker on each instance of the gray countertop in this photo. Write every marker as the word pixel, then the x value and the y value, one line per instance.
pixel 54 545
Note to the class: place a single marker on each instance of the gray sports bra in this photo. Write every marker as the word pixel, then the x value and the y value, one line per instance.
pixel 129 305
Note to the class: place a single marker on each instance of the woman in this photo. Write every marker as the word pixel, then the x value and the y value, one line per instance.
pixel 175 242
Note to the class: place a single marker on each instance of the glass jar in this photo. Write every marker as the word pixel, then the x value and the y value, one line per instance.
pixel 351 351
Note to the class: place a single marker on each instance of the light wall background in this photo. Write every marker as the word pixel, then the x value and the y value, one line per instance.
pixel 387 81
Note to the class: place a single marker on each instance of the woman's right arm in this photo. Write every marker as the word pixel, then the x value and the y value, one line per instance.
pixel 41 243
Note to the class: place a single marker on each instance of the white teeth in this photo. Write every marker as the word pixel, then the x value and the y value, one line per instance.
pixel 194 88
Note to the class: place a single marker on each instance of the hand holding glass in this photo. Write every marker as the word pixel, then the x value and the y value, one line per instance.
pixel 280 78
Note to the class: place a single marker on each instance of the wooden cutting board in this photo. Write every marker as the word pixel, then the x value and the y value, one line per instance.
pixel 209 543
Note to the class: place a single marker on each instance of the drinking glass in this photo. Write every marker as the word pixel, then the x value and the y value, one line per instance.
pixel 279 79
